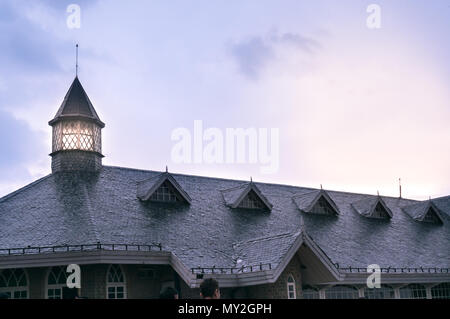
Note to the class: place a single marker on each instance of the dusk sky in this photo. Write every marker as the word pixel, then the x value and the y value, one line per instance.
pixel 356 107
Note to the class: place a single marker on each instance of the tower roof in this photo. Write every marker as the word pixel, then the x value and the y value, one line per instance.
pixel 76 104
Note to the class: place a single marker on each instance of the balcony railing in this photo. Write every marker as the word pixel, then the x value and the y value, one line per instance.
pixel 74 248
pixel 231 270
pixel 397 270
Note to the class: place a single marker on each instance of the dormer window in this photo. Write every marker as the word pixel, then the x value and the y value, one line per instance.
pixel 380 212
pixel 251 201
pixel 316 202
pixel 431 217
pixel 323 207
pixel 373 207
pixel 247 196
pixel 165 193
pixel 425 212
pixel 162 188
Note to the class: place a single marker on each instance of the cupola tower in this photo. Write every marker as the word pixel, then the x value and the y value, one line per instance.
pixel 77 139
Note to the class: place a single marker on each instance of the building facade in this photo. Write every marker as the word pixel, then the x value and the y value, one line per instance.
pixel 134 232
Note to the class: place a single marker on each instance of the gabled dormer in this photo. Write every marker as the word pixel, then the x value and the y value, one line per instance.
pixel 246 196
pixel 162 188
pixel 316 202
pixel 425 212
pixel 373 207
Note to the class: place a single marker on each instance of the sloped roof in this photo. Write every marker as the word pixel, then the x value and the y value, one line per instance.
pixel 367 206
pixel 270 249
pixel 79 208
pixel 419 210
pixel 306 201
pixel 76 104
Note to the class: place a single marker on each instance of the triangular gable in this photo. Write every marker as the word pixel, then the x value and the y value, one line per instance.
pixel 432 216
pixel 316 259
pixel 246 196
pixel 163 188
pixel 373 207
pixel 282 249
pixel 424 211
pixel 318 202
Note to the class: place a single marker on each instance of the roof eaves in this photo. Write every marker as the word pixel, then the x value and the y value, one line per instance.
pixel 8 196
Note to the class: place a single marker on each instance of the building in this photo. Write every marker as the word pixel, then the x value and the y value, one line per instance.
pixel 134 232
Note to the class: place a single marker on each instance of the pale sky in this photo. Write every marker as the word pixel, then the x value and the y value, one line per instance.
pixel 356 108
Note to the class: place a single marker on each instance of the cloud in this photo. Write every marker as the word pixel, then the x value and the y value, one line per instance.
pixel 254 54
pixel 19 145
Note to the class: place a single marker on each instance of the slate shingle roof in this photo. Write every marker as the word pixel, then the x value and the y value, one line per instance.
pixel 80 208
pixel 270 249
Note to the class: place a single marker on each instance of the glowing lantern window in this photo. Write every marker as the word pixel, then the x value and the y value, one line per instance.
pixel 76 135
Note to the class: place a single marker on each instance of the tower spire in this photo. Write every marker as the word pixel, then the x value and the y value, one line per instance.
pixel 76 62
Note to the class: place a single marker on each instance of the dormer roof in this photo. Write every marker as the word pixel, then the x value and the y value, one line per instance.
pixel 372 207
pixel 148 187
pixel 421 210
pixel 307 202
pixel 235 196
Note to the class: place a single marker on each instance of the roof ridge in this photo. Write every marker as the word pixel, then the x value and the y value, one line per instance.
pixel 260 183
pixel 14 193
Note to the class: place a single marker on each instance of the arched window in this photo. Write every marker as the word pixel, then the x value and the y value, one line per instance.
pixel 14 283
pixel 441 291
pixel 341 292
pixel 384 292
pixel 413 291
pixel 291 287
pixel 56 281
pixel 115 283
pixel 310 293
